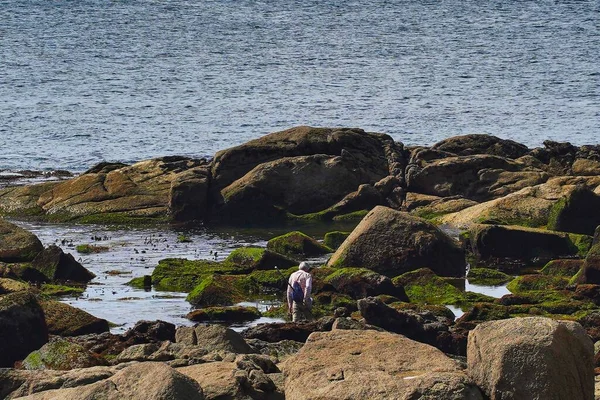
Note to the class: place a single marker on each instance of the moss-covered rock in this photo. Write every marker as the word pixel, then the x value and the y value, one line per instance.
pixel 437 310
pixel 361 282
pixel 576 212
pixel 8 285
pixel 333 240
pixel 181 275
pixel 297 244
pixel 61 290
pixel 65 320
pixel 485 312
pixel 590 272
pixel 525 283
pixel 227 314
pixel 21 271
pixel 424 286
pixel 583 243
pixel 259 258
pixel 487 276
pixel 564 267
pixel 216 290
pixel 142 282
pixel 493 244
pixel 60 354
pixel 90 248
pixel 17 244
pixel 391 242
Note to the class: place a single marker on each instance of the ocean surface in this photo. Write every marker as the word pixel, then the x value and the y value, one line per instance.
pixel 82 81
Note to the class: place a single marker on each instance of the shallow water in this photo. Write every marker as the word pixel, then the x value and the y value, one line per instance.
pixel 90 80
pixel 134 252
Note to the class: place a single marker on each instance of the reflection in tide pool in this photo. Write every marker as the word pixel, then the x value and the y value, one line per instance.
pixel 494 291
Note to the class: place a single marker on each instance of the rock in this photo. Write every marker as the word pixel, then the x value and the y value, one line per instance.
pixel 351 364
pixel 65 320
pixel 439 206
pixel 143 381
pixel 362 282
pixel 424 286
pixel 531 358
pixel 220 338
pixel 17 244
pixel 181 275
pixel 391 242
pixel 279 350
pixel 525 283
pixel 297 185
pixel 467 145
pixel 18 383
pixel 528 207
pixel 63 355
pixel 578 212
pixel 22 327
pixel 297 244
pixel 370 150
pixel 277 332
pixel 363 199
pixel 404 322
pixel 557 157
pixel 564 267
pixel 112 194
pixel 487 276
pixel 222 380
pixel 10 286
pixel 58 265
pixel 349 323
pixel 228 314
pixel 493 243
pixel 334 239
pixel 188 195
pixel 590 271
pixel 215 290
pixel 151 331
pixel 476 177
pixel 257 258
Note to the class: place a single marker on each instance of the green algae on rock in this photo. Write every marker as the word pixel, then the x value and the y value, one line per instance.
pixel 424 286
pixel 334 239
pixel 227 314
pixel 526 283
pixel 563 267
pixel 216 290
pixel 60 354
pixel 487 276
pixel 297 244
pixel 259 258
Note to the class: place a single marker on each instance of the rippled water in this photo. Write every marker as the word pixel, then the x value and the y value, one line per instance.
pixel 88 80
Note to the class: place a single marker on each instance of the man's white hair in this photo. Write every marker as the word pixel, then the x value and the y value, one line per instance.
pixel 303 266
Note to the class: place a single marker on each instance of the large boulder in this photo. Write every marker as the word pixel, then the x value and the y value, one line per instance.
pixel 530 206
pixel 55 264
pixel 532 358
pixel 282 331
pixel 142 381
pixel 356 364
pixel 115 193
pixel 298 185
pixel 65 320
pixel 493 244
pixel 17 244
pixel 22 327
pixel 392 242
pixel 375 152
pixel 476 177
pixel 467 145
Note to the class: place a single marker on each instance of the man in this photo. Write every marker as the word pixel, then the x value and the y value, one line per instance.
pixel 300 303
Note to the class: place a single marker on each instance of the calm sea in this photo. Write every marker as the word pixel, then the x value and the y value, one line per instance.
pixel 83 81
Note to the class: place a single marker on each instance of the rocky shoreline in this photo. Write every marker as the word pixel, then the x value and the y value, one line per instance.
pixel 529 217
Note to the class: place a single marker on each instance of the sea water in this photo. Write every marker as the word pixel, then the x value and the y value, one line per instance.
pixel 82 81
